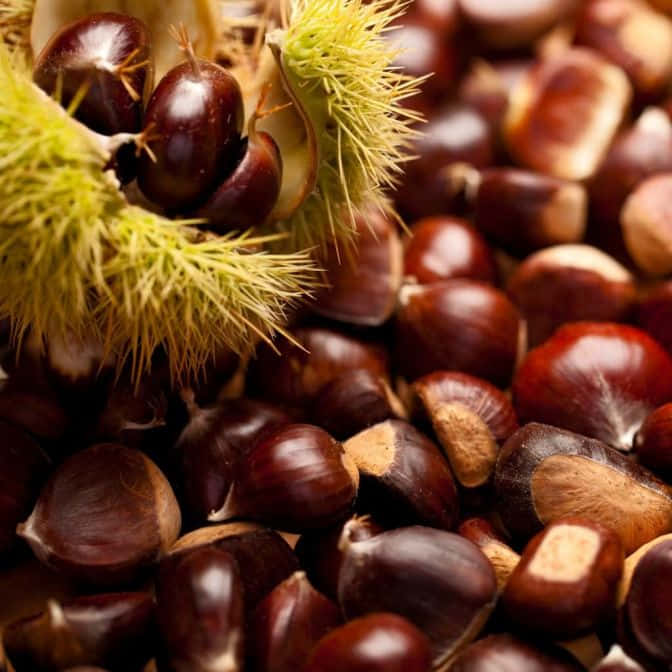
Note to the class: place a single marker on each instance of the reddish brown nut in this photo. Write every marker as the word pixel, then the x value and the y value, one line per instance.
pixel 380 642
pixel 566 580
pixel 199 598
pixel 296 478
pixel 544 473
pixel 618 661
pixel 646 226
pixel 36 411
pixel 524 211
pixel 457 325
pixel 597 379
pixel 470 418
pixel 417 572
pixel 442 248
pixel 287 625
pixel 362 289
pixel 565 112
pixel 404 477
pixel 653 441
pixel 662 5
pixel 502 557
pixel 632 36
pixel 631 563
pixel 320 556
pixel 353 401
pixel 506 652
pixel 296 374
pixel 114 630
pixel 264 558
pixel 655 314
pixel 570 283
pixel 104 516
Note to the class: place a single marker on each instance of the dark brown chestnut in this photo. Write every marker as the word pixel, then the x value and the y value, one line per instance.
pixel 114 630
pixel 295 478
pixel 199 597
pixel 653 441
pixel 570 283
pixel 287 625
pixel 380 642
pixel 544 473
pixel 438 580
pixel 597 379
pixel 404 477
pixel 655 314
pixel 564 113
pixel 104 516
pixel 470 418
pixel 443 248
pixel 458 325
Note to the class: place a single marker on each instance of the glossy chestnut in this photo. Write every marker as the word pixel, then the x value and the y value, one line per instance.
pixel 655 314
pixel 653 441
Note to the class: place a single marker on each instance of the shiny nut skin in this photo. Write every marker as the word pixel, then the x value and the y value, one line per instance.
pixel 416 572
pixel 570 283
pixel 653 442
pixel 544 473
pixel 597 379
pixel 442 248
pixel 379 642
pixel 566 580
pixel 458 325
pixel 654 314
pixel 287 625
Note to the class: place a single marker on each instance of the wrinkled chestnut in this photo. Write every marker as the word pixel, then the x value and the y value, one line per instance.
pixel 114 630
pixel 458 325
pixel 597 379
pixel 570 283
pixel 199 598
pixel 287 625
pixel 404 477
pixel 470 418
pixel 380 642
pixel 438 580
pixel 442 248
pixel 104 516
pixel 544 473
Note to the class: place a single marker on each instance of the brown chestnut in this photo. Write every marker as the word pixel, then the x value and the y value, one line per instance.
pixel 570 283
pixel 114 630
pixel 470 418
pixel 597 379
pixel 361 288
pixel 631 562
pixel 104 516
pixel 438 580
pixel 653 441
pixel 458 325
pixel 380 642
pixel 287 625
pixel 565 583
pixel 404 477
pixel 618 661
pixel 564 113
pixel 442 248
pixel 655 314
pixel 199 598
pixel 544 473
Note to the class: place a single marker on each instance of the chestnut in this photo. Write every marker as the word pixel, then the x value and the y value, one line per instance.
pixel 114 630
pixel 442 248
pixel 438 580
pixel 287 625
pixel 379 642
pixel 470 418
pixel 565 583
pixel 361 287
pixel 631 562
pixel 524 211
pixel 459 325
pixel 564 113
pixel 654 314
pixel 296 371
pixel 506 652
pixel 618 661
pixel 544 473
pixel 597 379
pixel 404 477
pixel 570 283
pixel 199 597
pixel 653 441
pixel 104 516
pixel 296 478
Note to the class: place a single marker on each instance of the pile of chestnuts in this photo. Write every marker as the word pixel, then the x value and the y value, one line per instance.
pixel 460 460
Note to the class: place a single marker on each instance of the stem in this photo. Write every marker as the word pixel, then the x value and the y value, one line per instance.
pixel 181 36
